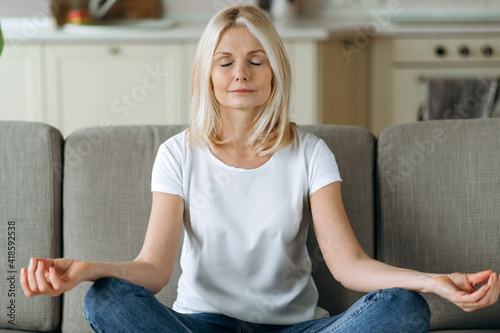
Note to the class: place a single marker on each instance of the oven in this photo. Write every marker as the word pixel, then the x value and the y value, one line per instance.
pixel 400 68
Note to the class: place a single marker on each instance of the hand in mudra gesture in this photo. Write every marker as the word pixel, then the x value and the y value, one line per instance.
pixel 460 289
pixel 51 276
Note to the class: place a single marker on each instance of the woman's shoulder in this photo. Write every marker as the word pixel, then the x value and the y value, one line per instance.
pixel 305 139
pixel 180 139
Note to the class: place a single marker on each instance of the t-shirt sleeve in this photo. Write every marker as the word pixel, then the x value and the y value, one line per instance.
pixel 323 168
pixel 167 172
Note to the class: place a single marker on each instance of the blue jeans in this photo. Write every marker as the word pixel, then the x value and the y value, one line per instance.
pixel 115 305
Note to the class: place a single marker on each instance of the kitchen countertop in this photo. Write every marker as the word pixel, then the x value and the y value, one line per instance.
pixel 314 28
pixel 25 29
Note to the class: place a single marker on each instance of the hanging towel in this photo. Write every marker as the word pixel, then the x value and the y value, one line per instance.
pixel 495 113
pixel 460 98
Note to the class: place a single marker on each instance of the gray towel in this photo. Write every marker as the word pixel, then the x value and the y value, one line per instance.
pixel 461 98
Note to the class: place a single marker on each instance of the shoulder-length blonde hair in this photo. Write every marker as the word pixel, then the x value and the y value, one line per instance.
pixel 272 130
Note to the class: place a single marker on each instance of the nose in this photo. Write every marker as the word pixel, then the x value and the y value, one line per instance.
pixel 240 73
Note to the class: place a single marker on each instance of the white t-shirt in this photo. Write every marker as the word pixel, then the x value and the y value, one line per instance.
pixel 244 253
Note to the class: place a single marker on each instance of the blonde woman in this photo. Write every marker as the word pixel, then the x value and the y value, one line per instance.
pixel 246 233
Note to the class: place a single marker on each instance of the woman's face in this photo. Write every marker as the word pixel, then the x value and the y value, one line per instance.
pixel 241 74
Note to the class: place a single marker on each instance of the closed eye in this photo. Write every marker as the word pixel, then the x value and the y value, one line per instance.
pixel 253 63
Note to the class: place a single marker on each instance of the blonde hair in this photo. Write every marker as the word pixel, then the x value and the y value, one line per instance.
pixel 272 130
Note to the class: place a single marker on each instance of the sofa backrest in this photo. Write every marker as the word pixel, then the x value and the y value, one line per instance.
pixel 354 150
pixel 438 186
pixel 30 218
pixel 107 201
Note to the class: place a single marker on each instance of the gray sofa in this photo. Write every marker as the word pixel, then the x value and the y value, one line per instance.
pixel 421 195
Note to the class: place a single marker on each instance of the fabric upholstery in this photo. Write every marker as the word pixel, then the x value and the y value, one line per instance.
pixel 30 195
pixel 107 201
pixel 433 202
pixel 438 187
pixel 354 152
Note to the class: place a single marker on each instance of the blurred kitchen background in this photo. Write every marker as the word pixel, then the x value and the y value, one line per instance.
pixel 17 8
pixel 369 63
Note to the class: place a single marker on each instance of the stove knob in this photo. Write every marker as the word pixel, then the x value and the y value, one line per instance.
pixel 487 50
pixel 463 51
pixel 440 51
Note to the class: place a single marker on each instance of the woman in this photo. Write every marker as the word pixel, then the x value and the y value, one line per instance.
pixel 238 179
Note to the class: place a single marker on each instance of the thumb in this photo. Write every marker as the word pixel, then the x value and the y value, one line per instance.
pixel 479 277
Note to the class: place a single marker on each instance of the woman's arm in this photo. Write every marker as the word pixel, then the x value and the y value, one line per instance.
pixel 152 268
pixel 351 266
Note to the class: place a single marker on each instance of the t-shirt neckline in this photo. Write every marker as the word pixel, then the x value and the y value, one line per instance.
pixel 226 166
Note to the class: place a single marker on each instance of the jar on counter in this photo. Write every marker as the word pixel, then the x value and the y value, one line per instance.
pixel 78 12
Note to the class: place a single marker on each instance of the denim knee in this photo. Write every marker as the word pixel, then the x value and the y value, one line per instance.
pixel 411 305
pixel 98 297
pixel 105 295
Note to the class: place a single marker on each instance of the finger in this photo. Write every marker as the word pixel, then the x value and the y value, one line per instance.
pixel 33 285
pixel 24 283
pixel 43 285
pixel 57 283
pixel 464 297
pixel 491 296
pixel 479 277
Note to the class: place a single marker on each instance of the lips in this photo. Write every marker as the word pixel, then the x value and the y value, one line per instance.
pixel 242 91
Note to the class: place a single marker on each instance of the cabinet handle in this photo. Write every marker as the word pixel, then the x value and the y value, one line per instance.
pixel 487 50
pixel 114 50
pixel 463 51
pixel 440 51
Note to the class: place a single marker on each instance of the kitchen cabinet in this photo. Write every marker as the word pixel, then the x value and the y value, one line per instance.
pixel 71 85
pixel 304 104
pixel 21 82
pixel 95 84
pixel 343 83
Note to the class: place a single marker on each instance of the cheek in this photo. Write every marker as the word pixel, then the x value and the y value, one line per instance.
pixel 218 80
pixel 267 83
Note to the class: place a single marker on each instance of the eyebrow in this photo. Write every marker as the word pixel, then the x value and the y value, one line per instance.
pixel 249 53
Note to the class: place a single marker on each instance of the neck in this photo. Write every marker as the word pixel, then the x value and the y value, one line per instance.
pixel 237 126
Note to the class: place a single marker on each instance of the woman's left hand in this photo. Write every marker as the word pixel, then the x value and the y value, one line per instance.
pixel 460 289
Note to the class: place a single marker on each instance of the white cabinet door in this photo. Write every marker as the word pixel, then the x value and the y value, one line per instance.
pixel 21 96
pixel 303 56
pixel 100 85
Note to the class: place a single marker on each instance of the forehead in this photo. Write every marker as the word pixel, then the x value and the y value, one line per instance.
pixel 237 38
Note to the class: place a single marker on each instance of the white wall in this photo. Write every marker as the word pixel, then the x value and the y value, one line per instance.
pixel 16 8
pixel 20 8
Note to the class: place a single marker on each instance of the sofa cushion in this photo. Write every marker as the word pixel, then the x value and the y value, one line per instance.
pixel 30 206
pixel 354 150
pixel 107 201
pixel 438 187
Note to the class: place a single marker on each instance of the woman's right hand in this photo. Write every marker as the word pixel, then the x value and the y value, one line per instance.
pixel 52 276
